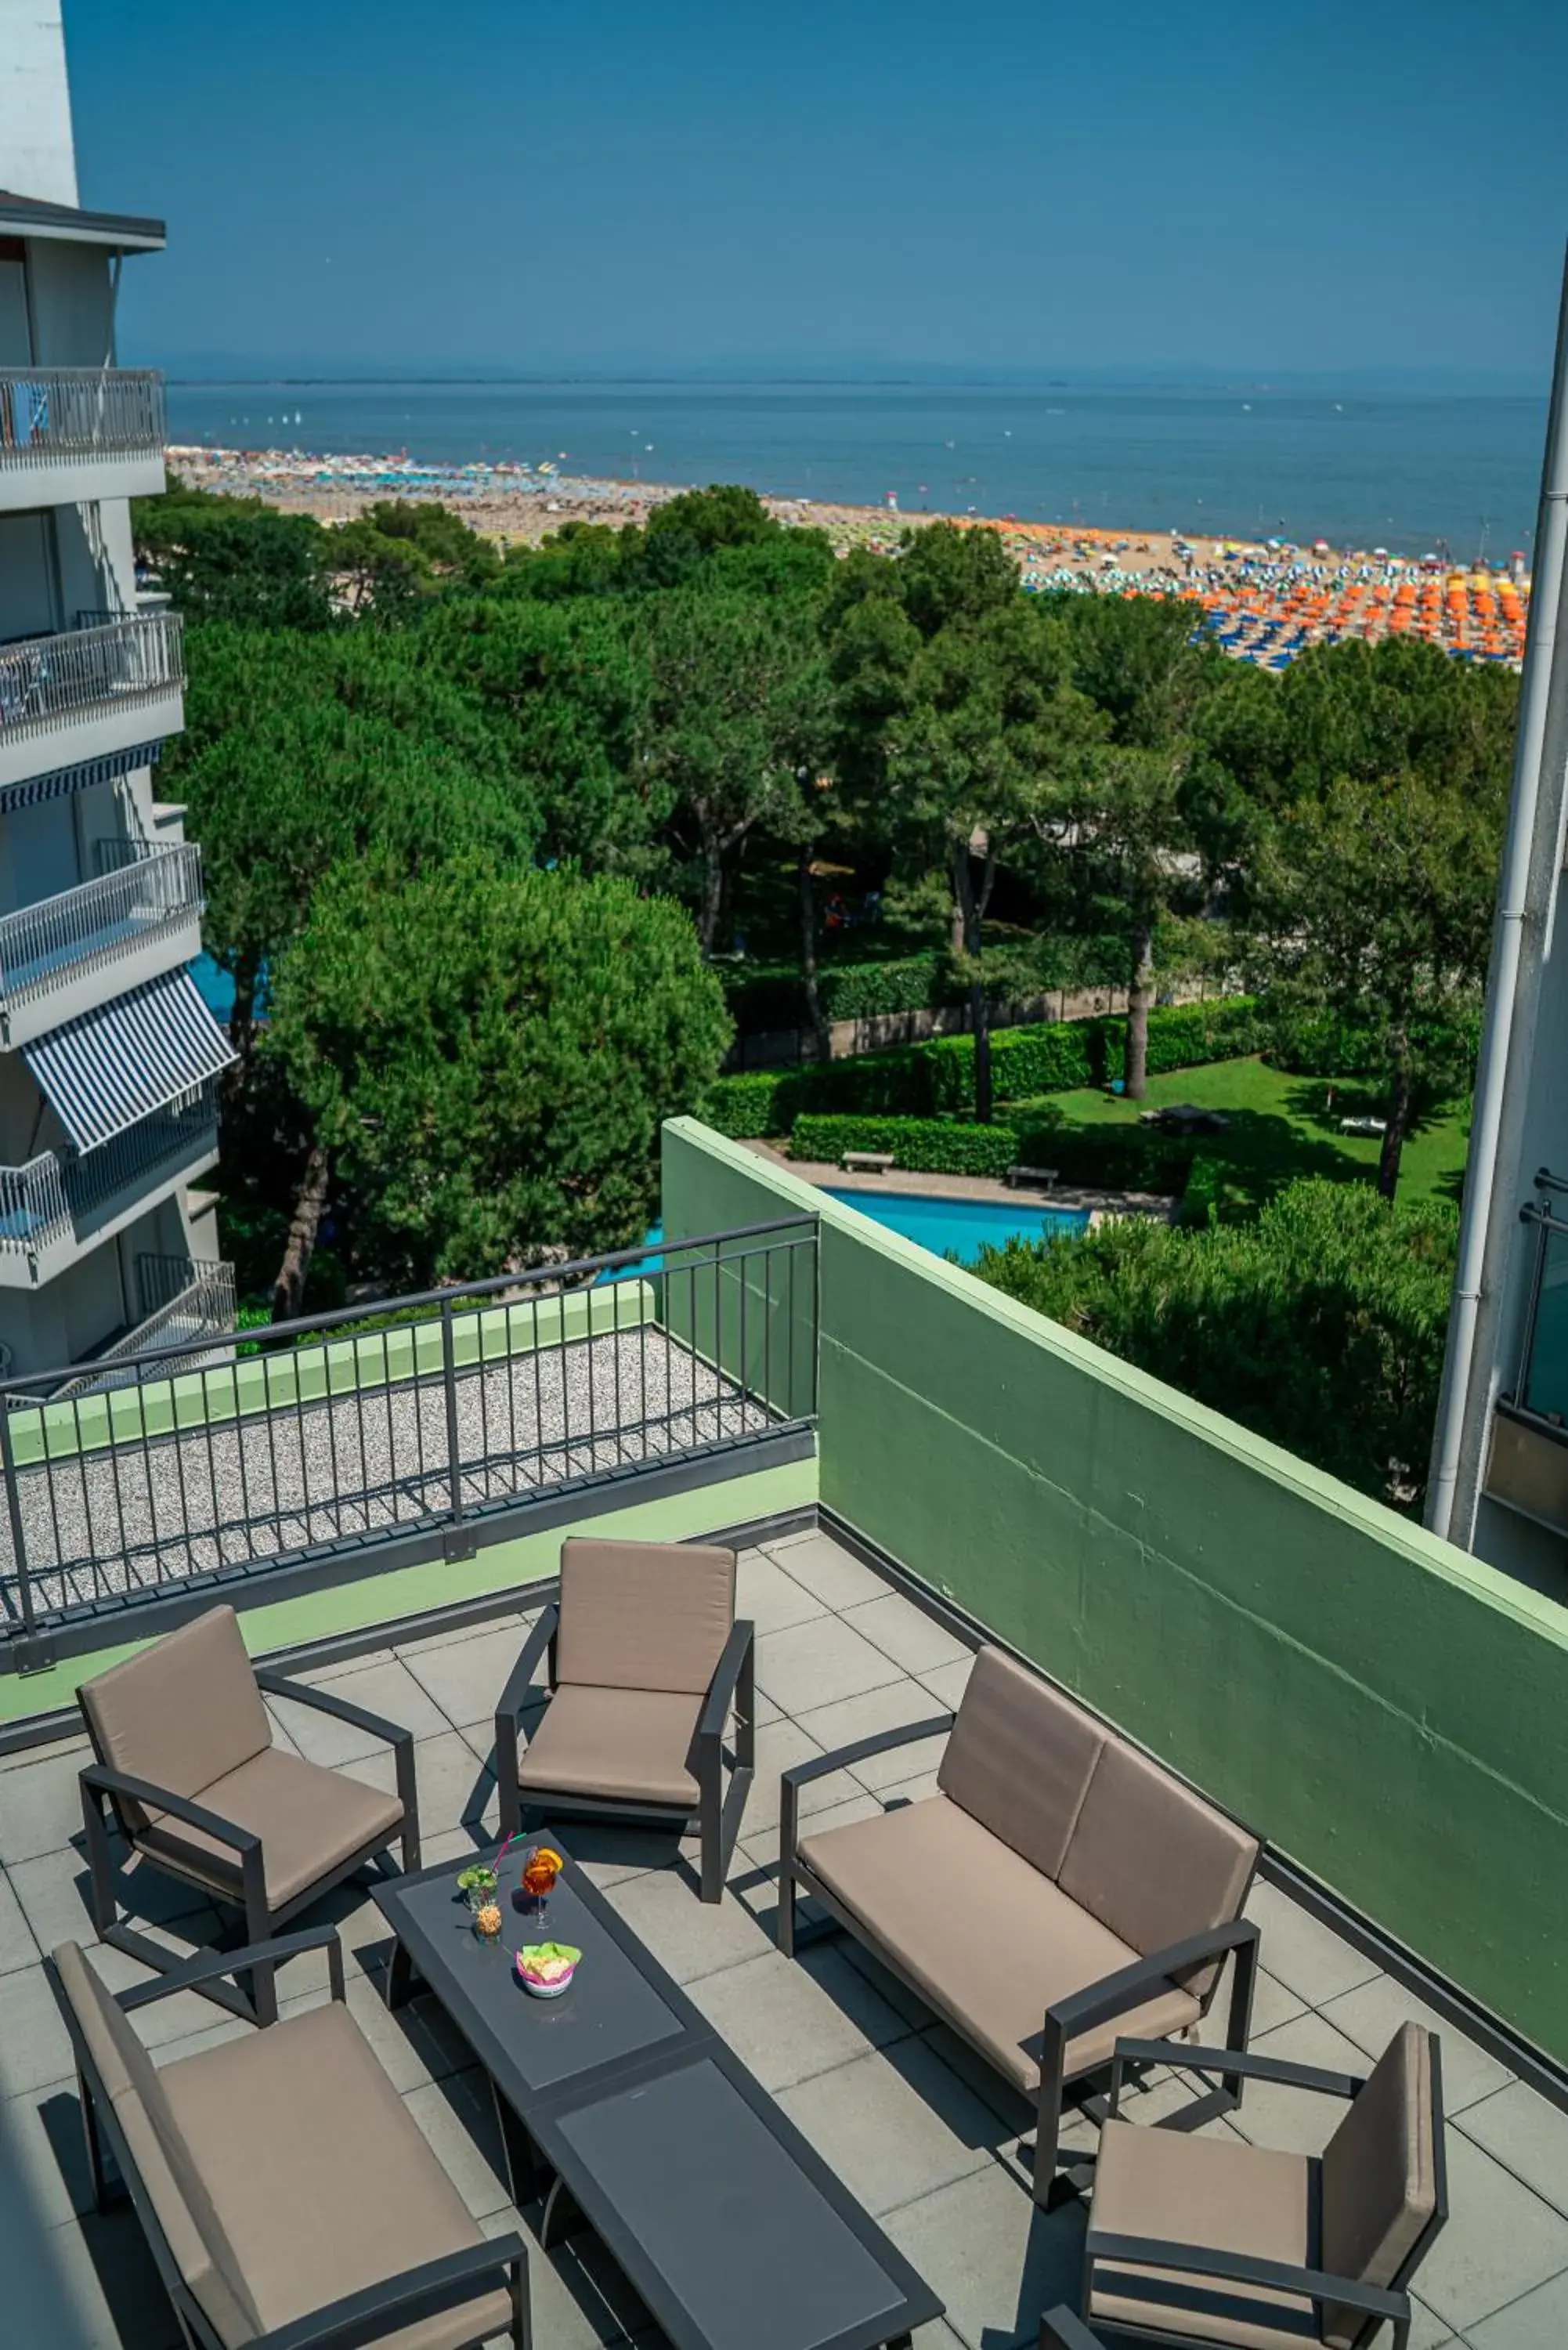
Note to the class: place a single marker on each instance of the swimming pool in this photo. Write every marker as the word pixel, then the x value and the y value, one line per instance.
pixel 965 1226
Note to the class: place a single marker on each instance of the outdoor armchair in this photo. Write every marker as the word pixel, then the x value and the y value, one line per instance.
pixel 646 1668
pixel 1208 2238
pixel 1058 1887
pixel 186 1767
pixel 289 2199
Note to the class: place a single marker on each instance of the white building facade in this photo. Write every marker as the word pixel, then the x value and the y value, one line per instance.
pixel 109 1061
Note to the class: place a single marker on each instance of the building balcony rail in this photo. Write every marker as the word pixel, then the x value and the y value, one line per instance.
pixel 47 414
pixel 134 660
pixel 45 945
pixel 43 1200
pixel 185 1300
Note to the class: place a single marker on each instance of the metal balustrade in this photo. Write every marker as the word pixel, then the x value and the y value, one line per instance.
pixel 130 660
pixel 48 414
pixel 194 1303
pixel 446 1417
pixel 44 945
pixel 41 1201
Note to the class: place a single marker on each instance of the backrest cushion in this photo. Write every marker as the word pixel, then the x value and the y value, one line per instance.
pixel 1379 2175
pixel 1020 1759
pixel 183 1714
pixel 1153 1862
pixel 169 2179
pixel 644 1616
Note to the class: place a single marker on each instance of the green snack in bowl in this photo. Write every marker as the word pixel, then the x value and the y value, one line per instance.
pixel 547 1961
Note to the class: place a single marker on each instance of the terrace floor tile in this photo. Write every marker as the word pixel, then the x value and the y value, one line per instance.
pixel 892 1707
pixel 815 1663
pixel 771 1600
pixel 384 1686
pixel 1373 2013
pixel 1306 1956
pixel 893 2126
pixel 826 1570
pixel 465 1681
pixel 1500 2240
pixel 1525 2134
pixel 790 2020
pixel 17 1945
pixel 996 2259
pixel 1537 2321
pixel 906 1633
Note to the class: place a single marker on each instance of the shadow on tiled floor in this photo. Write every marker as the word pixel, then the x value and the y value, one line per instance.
pixel 918 2128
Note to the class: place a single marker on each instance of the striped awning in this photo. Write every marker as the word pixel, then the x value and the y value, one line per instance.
pixel 60 781
pixel 118 1063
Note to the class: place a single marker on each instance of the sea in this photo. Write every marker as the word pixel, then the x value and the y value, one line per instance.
pixel 1414 473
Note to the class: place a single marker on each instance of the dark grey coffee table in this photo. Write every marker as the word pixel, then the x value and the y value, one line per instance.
pixel 732 2230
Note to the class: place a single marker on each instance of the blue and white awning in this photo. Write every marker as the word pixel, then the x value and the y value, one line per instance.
pixel 116 1065
pixel 60 781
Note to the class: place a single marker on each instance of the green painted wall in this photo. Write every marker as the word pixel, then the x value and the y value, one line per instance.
pixel 384 1598
pixel 1385 1708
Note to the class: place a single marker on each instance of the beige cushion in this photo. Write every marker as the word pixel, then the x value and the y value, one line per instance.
pixel 629 1745
pixel 987 1939
pixel 183 1714
pixel 648 1616
pixel 173 2182
pixel 1379 2175
pixel 1213 2191
pixel 1020 1759
pixel 310 1821
pixel 1153 1862
pixel 322 2181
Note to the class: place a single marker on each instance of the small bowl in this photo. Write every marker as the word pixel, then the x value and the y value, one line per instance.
pixel 543 1990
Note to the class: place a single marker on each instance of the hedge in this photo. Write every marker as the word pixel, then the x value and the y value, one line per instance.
pixel 925 1146
pixel 768 997
pixel 1103 1158
pixel 918 1080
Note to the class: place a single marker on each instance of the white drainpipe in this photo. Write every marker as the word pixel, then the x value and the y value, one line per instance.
pixel 1540 654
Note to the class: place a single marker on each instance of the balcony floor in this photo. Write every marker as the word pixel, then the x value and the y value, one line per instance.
pixel 922 2132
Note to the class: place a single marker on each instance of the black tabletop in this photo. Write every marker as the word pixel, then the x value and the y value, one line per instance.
pixel 726 2220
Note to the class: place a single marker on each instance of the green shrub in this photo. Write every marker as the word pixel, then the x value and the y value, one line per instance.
pixel 1058 1057
pixel 926 1146
pixel 1101 1157
pixel 1205 1186
pixel 1187 1035
pixel 743 1105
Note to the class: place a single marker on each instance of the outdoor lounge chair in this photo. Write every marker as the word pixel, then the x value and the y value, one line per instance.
pixel 1059 1885
pixel 1210 2240
pixel 646 1665
pixel 289 2199
pixel 186 1764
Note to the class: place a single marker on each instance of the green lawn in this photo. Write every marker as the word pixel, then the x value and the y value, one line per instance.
pixel 1281 1127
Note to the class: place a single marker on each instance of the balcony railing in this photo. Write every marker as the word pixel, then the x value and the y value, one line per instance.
pixel 185 1300
pixel 47 413
pixel 39 1201
pixel 444 1418
pixel 44 945
pixel 130 660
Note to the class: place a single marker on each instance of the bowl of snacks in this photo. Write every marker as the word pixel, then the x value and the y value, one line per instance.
pixel 545 1970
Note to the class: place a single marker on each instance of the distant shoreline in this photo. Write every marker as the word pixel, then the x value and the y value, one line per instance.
pixel 1266 599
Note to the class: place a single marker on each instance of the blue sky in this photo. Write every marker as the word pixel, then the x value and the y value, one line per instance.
pixel 832 183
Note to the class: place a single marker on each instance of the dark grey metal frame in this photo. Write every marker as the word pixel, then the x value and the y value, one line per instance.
pixel 729 1303
pixel 1379 2304
pixel 358 2319
pixel 103 1787
pixel 717 1819
pixel 1096 2003
pixel 530 2127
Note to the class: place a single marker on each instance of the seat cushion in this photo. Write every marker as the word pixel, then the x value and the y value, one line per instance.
pixel 1380 2175
pixel 183 1714
pixel 1213 2191
pixel 310 1821
pixel 648 1616
pixel 629 1745
pixel 1153 1862
pixel 1020 1759
pixel 323 2182
pixel 988 1940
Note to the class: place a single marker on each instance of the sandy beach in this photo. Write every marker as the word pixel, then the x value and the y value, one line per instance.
pixel 1265 600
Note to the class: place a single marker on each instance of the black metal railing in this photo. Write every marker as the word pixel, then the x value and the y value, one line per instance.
pixel 446 1414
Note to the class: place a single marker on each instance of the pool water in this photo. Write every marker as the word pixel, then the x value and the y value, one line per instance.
pixel 962 1226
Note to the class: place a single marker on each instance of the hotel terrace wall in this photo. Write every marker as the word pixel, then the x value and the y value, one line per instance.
pixel 1389 1712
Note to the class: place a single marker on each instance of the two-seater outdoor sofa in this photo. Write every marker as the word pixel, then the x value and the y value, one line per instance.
pixel 289 2199
pixel 1058 1889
